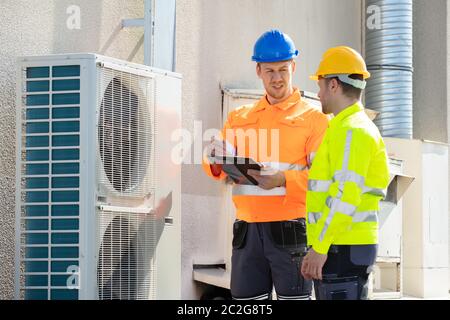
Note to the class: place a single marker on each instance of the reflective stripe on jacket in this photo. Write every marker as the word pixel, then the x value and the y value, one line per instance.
pixel 346 182
pixel 298 128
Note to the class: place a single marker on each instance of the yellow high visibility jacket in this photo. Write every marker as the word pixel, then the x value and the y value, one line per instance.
pixel 347 180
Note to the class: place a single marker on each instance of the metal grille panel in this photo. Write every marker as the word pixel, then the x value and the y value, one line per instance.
pixel 125 133
pixel 49 185
pixel 126 267
pixel 126 263
pixel 52 187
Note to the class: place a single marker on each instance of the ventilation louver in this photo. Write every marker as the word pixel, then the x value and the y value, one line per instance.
pixel 125 133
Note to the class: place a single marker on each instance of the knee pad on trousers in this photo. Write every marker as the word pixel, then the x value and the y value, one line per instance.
pixel 342 288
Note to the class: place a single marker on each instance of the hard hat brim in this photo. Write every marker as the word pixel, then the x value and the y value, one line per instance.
pixel 275 59
pixel 315 77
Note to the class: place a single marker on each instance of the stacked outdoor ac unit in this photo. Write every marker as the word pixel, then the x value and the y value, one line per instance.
pixel 97 210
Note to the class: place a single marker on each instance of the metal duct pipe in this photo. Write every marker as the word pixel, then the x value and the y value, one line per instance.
pixel 389 59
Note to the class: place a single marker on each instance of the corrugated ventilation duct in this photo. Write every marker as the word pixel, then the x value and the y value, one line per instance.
pixel 390 61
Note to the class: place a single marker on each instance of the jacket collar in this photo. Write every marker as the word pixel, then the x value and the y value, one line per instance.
pixel 354 108
pixel 292 100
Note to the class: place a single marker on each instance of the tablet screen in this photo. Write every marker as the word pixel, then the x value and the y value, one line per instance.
pixel 236 168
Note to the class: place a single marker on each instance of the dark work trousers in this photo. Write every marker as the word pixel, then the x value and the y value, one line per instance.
pixel 344 263
pixel 267 254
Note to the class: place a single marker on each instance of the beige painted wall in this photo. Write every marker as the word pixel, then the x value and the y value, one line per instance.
pixel 214 44
pixel 430 70
pixel 447 106
pixel 431 118
pixel 38 27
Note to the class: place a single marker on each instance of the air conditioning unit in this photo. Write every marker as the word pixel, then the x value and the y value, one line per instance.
pixel 97 192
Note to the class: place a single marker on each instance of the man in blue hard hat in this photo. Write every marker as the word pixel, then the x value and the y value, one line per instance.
pixel 269 234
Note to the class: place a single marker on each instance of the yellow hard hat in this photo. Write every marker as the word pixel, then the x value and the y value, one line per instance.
pixel 341 60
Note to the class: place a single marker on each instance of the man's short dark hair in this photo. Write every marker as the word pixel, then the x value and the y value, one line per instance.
pixel 349 90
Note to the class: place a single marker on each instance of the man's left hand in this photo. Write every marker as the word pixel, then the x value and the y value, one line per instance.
pixel 268 178
pixel 312 265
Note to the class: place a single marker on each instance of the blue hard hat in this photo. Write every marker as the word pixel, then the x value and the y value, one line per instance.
pixel 274 46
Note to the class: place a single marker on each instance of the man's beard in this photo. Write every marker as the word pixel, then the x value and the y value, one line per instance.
pixel 278 94
pixel 325 108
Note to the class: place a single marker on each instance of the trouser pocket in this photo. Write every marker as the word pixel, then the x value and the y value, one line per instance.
pixel 345 266
pixel 363 255
pixel 290 234
pixel 343 288
pixel 302 286
pixel 239 234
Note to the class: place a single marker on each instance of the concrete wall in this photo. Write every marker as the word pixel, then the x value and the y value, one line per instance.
pixel 430 70
pixel 37 27
pixel 214 46
pixel 431 119
pixel 448 100
pixel 425 207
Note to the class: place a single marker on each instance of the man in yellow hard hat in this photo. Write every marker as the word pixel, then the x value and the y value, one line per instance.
pixel 347 180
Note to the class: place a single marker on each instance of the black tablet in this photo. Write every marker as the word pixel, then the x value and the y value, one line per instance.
pixel 236 168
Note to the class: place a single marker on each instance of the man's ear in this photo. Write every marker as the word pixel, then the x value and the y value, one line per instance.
pixel 294 66
pixel 334 85
pixel 258 70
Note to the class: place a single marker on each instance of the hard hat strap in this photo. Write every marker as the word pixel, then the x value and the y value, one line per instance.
pixel 360 84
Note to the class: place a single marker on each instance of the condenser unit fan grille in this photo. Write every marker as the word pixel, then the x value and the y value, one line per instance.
pixel 125 131
pixel 126 263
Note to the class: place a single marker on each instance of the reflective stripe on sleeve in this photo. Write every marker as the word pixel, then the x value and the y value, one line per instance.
pixel 366 216
pixel 319 185
pixel 336 205
pixel 313 217
pixel 349 176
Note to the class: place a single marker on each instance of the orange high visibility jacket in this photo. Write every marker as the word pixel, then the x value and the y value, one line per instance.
pixel 284 136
